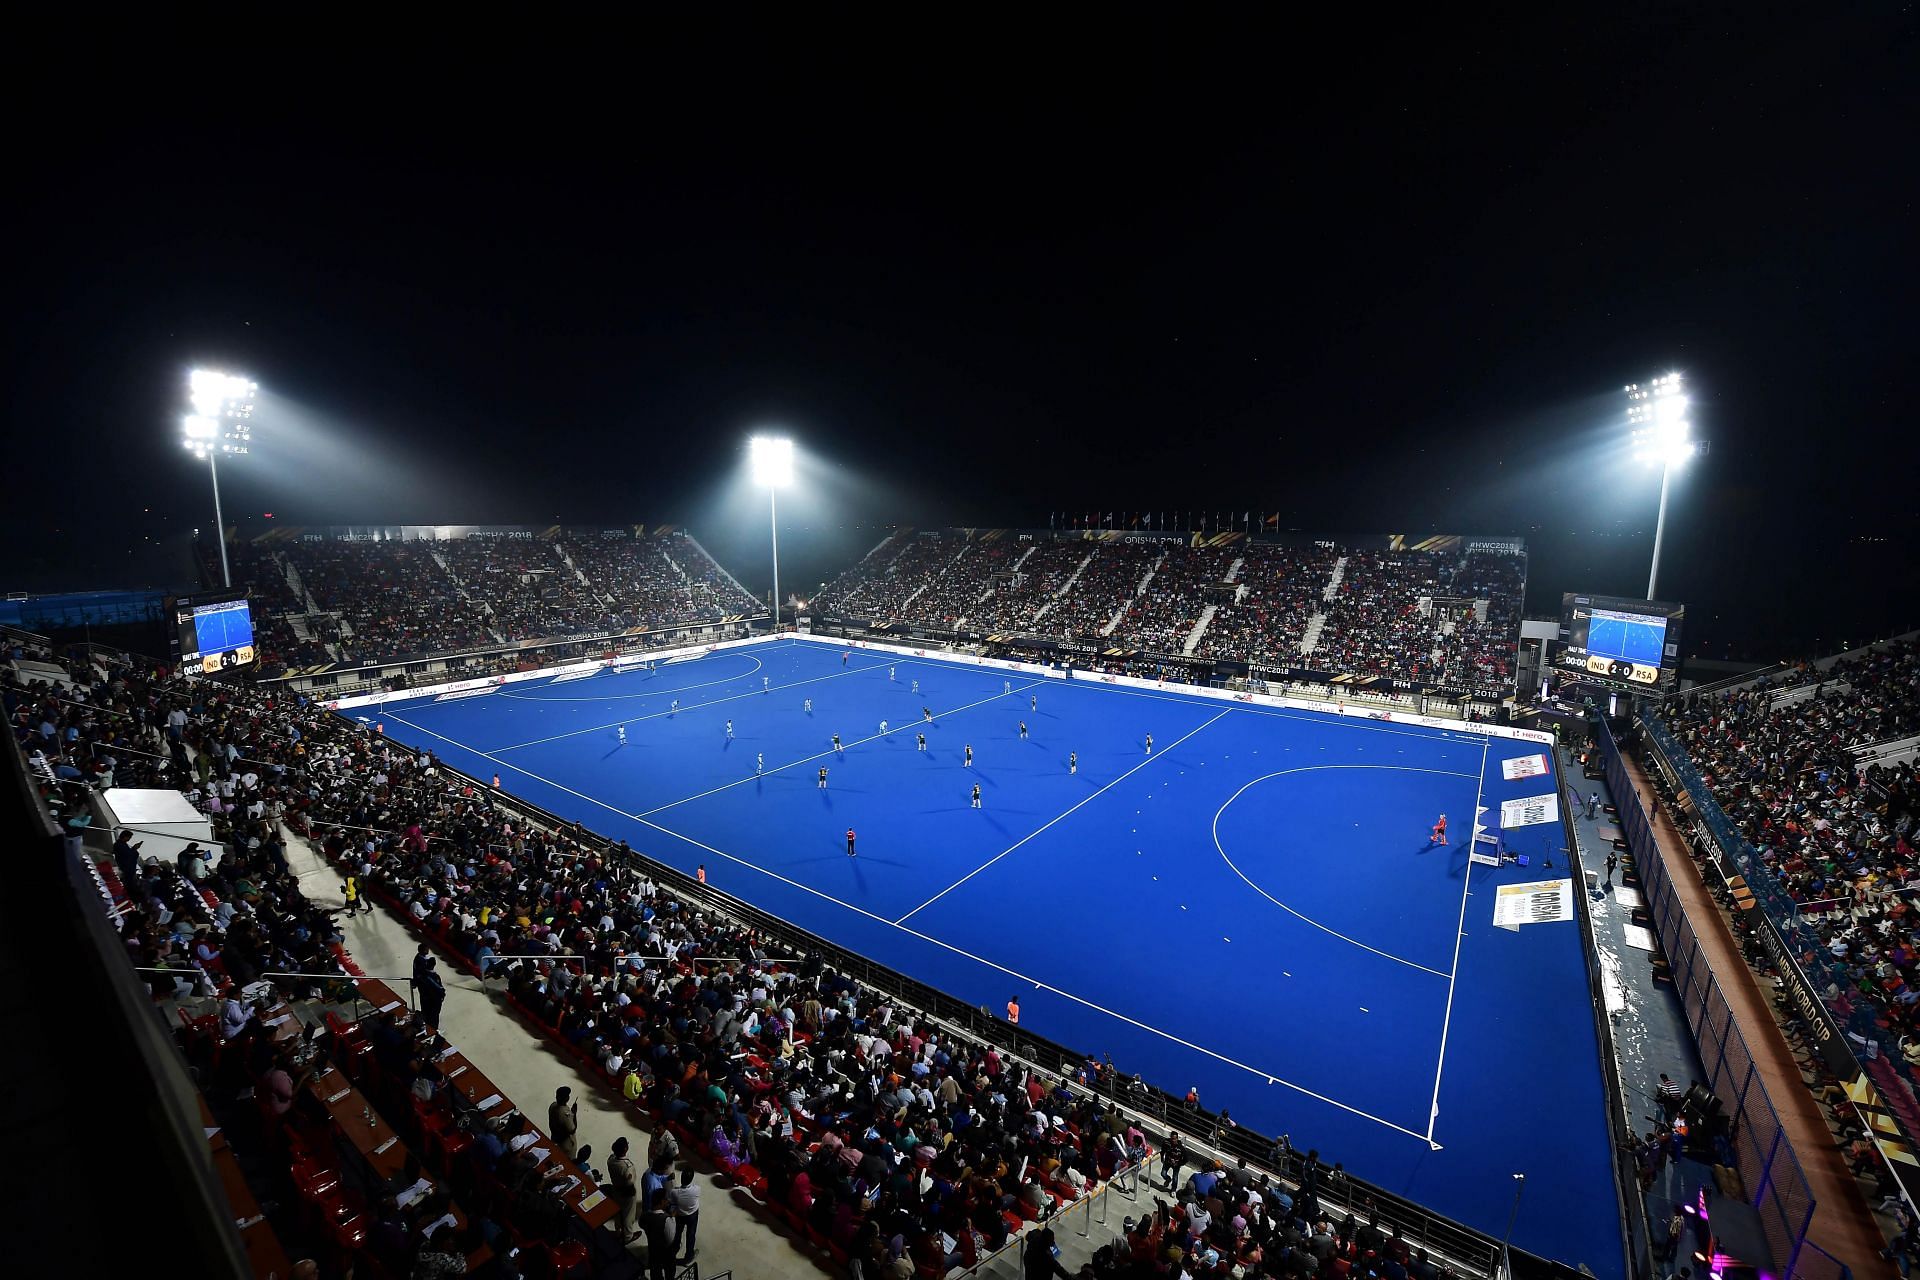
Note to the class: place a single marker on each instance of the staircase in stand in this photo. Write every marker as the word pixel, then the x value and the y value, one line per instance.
pixel 578 572
pixel 1310 638
pixel 1333 583
pixel 1065 587
pixel 1233 570
pixel 1200 627
pixel 1139 589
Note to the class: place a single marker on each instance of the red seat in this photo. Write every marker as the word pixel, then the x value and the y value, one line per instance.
pixel 349 1233
pixel 316 1182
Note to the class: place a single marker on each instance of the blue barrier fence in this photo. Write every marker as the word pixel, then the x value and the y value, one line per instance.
pixel 1845 1018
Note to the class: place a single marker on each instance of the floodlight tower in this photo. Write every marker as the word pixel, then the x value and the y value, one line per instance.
pixel 1662 437
pixel 771 460
pixel 219 424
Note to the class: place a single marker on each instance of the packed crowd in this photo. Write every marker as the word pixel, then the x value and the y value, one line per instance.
pixel 1780 763
pixel 1110 580
pixel 1045 567
pixel 1280 589
pixel 1161 617
pixel 882 585
pixel 523 586
pixel 911 1150
pixel 962 592
pixel 392 600
pixel 394 597
pixel 1481 652
pixel 207 914
pixel 656 581
pixel 1373 622
pixel 278 645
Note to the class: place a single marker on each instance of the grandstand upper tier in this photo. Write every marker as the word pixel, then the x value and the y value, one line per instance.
pixel 1443 612
pixel 360 598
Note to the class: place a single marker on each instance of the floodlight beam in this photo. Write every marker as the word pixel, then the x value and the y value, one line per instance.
pixel 216 396
pixel 1662 436
pixel 770 460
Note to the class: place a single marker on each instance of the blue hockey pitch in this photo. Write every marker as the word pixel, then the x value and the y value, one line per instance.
pixel 1253 908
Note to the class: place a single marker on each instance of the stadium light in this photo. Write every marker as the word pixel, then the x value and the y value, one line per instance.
pixel 1662 437
pixel 770 459
pixel 219 424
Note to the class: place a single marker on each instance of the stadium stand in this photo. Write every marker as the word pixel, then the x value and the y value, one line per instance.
pixel 892 1140
pixel 524 586
pixel 655 582
pixel 354 601
pixel 1799 763
pixel 1314 606
pixel 1173 599
pixel 814 1092
pixel 1278 594
pixel 1375 622
pixel 1100 588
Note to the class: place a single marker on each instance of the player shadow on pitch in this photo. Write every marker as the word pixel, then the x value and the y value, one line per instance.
pixel 841 857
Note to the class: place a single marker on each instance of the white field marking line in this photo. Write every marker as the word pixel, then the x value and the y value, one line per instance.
pixel 751 777
pixel 644 693
pixel 1446 1023
pixel 428 704
pixel 1037 830
pixel 933 941
pixel 655 715
pixel 1222 849
pixel 1329 718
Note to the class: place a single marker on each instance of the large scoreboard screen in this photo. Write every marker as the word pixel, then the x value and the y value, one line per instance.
pixel 214 631
pixel 1631 645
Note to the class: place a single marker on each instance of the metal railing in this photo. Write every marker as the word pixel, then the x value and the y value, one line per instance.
pixel 1771 1173
pixel 1637 1238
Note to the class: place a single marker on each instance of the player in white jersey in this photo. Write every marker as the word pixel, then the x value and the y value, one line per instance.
pixel 809 707
pixel 765 684
pixel 675 707
pixel 916 686
pixel 890 675
pixel 623 735
pixel 883 728
pixel 1149 744
pixel 759 762
pixel 729 730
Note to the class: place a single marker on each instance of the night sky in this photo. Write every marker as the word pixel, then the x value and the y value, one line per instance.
pixel 1375 280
